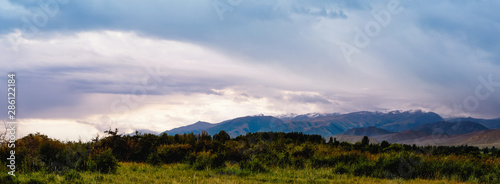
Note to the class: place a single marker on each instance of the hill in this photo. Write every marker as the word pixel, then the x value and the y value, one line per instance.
pixel 366 131
pixel 195 128
pixel 483 138
pixel 437 130
pixel 450 128
pixel 325 125
pixel 488 123
pixel 243 125
pixel 394 121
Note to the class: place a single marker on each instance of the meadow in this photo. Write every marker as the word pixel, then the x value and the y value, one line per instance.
pixel 129 172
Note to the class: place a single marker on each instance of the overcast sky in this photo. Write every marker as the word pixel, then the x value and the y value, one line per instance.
pixel 86 66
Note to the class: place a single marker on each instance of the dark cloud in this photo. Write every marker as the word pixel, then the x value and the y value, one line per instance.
pixel 432 52
pixel 314 99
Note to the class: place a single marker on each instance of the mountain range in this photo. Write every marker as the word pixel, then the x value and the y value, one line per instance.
pixel 415 127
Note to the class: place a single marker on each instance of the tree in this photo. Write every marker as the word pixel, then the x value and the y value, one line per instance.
pixel 222 136
pixel 384 144
pixel 335 142
pixel 330 142
pixel 105 162
pixel 365 141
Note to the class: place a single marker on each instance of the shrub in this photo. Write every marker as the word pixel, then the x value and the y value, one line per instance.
pixel 393 147
pixel 5 178
pixel 306 152
pixel 201 160
pixel 105 162
pixel 222 136
pixel 341 169
pixel 154 159
pixel 400 165
pixel 324 161
pixel 72 176
pixel 35 181
pixel 204 160
pixel 51 153
pixel 363 169
pixel 173 153
pixel 298 163
pixel 253 165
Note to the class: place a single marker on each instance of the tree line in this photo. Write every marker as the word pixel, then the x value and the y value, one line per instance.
pixel 256 152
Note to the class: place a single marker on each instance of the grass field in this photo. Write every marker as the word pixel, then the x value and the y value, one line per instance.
pixel 182 173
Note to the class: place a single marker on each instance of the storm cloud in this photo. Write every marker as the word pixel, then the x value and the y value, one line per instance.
pixel 164 64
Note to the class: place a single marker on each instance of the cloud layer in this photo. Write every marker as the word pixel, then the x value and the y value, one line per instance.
pixel 159 65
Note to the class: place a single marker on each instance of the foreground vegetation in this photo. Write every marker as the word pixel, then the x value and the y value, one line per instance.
pixel 255 157
pixel 183 173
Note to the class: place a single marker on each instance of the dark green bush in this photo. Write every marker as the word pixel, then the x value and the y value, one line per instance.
pixel 72 175
pixel 341 169
pixel 174 153
pixel 5 178
pixel 105 162
pixel 154 159
pixel 364 169
pixel 206 160
pixel 253 165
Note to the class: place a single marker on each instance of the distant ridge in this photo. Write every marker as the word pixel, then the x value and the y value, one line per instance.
pixel 366 131
pixel 450 128
pixel 488 123
pixel 195 128
pixel 483 138
pixel 409 127
pixel 326 124
pixel 438 130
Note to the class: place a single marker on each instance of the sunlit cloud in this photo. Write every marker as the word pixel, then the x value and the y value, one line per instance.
pixel 171 63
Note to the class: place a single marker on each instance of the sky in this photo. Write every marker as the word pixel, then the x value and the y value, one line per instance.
pixel 84 67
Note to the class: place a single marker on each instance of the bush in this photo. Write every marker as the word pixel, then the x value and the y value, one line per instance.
pixel 51 153
pixel 201 160
pixel 364 169
pixel 174 153
pixel 204 160
pixel 253 165
pixel 105 162
pixel 154 159
pixel 5 178
pixel 222 136
pixel 341 169
pixel 393 147
pixel 72 175
pixel 400 165
pixel 35 181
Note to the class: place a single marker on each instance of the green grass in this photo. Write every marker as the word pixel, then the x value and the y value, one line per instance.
pixel 182 173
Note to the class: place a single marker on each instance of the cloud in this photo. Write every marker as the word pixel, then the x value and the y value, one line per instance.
pixel 170 63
